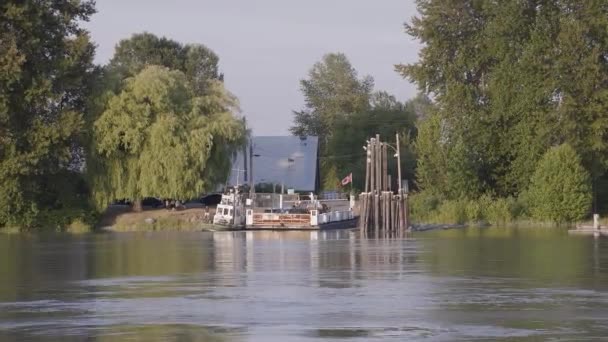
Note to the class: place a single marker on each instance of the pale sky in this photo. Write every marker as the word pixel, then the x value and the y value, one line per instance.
pixel 267 46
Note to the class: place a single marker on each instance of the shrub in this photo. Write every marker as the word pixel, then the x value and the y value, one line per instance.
pixel 498 211
pixel 560 187
pixel 423 205
pixel 67 219
pixel 454 211
pixel 474 211
pixel 518 207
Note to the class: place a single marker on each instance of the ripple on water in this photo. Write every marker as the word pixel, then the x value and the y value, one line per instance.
pixel 284 287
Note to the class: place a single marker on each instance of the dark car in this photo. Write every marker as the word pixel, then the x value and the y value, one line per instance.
pixel 211 199
pixel 152 202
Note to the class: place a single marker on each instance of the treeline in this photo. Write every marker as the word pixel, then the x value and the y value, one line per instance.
pixel 511 123
pixel 518 125
pixel 74 136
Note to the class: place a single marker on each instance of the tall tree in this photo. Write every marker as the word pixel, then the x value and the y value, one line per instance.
pixel 431 150
pixel 158 138
pixel 45 70
pixel 196 61
pixel 199 67
pixel 513 78
pixel 332 92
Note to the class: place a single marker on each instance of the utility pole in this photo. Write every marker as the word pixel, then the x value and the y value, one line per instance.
pixel 398 164
pixel 251 182
pixel 238 176
pixel 245 164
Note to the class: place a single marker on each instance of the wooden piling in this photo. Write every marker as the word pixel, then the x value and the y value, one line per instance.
pixel 381 210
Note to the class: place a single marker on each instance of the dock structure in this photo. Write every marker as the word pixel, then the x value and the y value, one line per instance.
pixel 596 229
pixel 382 212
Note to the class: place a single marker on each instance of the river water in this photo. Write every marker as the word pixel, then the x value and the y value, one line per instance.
pixel 474 284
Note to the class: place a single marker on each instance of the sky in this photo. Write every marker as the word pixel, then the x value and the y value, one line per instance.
pixel 267 46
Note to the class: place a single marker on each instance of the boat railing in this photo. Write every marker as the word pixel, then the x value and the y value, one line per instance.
pixel 335 216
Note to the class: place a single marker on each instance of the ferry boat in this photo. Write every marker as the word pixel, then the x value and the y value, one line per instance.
pixel 311 214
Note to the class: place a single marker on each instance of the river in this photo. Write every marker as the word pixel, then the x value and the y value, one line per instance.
pixel 453 285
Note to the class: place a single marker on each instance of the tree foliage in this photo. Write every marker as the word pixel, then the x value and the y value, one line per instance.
pixel 332 91
pixel 431 151
pixel 511 79
pixel 181 142
pixel 45 74
pixel 197 62
pixel 560 188
pixel 386 117
pixel 444 166
pixel 158 138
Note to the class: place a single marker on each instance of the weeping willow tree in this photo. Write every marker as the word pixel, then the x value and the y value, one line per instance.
pixel 158 137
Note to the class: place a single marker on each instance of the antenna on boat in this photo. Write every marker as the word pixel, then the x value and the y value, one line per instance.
pixel 238 175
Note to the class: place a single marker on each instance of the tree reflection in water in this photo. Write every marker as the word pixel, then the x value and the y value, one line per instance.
pixel 459 284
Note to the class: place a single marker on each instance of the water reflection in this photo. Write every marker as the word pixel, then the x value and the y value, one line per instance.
pixel 274 286
pixel 144 333
pixel 538 255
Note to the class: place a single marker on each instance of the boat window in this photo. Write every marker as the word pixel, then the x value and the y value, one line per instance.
pixel 230 212
pixel 225 211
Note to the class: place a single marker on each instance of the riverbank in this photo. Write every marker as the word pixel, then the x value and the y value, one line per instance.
pixel 122 219
pixel 421 227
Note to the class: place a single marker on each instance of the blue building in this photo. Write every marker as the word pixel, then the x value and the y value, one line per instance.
pixel 288 160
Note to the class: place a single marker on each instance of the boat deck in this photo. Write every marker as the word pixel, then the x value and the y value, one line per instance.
pixel 301 221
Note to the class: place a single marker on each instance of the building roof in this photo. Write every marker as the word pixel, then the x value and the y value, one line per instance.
pixel 290 160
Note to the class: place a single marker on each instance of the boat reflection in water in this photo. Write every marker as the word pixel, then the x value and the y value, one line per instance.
pixel 301 251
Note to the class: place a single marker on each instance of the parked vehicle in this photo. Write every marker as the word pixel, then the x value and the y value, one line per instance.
pixel 211 199
pixel 152 202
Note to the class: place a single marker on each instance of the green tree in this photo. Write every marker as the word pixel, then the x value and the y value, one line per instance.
pixel 132 55
pixel 431 152
pixel 332 91
pixel 444 167
pixel 512 78
pixel 560 187
pixel 45 77
pixel 461 176
pixel 158 138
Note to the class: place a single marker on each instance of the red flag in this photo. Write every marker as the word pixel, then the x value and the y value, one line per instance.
pixel 348 179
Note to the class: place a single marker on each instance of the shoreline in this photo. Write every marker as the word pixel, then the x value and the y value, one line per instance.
pixel 191 219
pixel 122 219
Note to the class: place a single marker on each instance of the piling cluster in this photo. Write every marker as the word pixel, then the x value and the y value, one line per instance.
pixel 382 210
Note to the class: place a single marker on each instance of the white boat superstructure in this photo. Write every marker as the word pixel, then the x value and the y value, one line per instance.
pixel 230 211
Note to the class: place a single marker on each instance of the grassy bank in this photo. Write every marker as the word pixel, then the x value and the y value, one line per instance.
pixel 430 209
pixel 123 220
